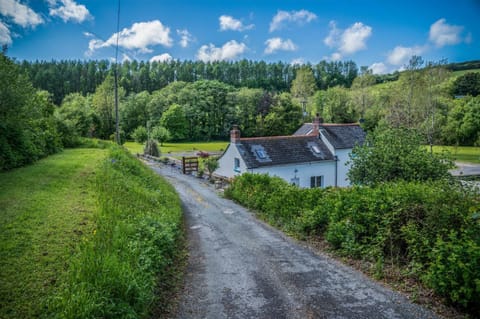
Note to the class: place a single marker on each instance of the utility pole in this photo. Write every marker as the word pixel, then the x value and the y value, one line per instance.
pixel 115 73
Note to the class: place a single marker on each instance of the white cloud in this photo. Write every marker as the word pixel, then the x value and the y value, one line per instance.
pixel 336 56
pixel 277 44
pixel 442 34
pixel 332 39
pixel 400 55
pixel 353 39
pixel 298 61
pixel 161 58
pixel 228 51
pixel 69 10
pixel 378 68
pixel 300 17
pixel 5 37
pixel 230 23
pixel 185 37
pixel 140 37
pixel 20 13
pixel 347 41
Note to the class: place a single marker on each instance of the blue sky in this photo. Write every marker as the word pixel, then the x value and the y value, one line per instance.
pixel 380 34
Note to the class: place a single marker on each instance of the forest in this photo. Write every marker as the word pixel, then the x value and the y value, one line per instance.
pixel 60 102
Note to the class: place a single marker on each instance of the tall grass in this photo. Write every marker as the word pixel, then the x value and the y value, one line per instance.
pixel 45 209
pixel 121 266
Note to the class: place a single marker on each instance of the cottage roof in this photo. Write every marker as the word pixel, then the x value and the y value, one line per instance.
pixel 343 135
pixel 339 135
pixel 279 150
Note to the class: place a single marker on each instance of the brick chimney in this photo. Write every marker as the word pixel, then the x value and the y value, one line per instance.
pixel 316 125
pixel 234 134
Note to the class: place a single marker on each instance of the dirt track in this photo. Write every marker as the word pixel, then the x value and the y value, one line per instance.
pixel 241 268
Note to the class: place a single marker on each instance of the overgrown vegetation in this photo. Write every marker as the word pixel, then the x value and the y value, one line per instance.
pixel 28 129
pixel 395 154
pixel 124 266
pixel 430 230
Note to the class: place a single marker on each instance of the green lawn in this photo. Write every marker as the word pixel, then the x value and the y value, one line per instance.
pixel 181 147
pixel 468 154
pixel 45 210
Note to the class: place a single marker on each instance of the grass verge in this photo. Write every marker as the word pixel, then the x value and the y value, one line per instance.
pixel 46 208
pixel 125 267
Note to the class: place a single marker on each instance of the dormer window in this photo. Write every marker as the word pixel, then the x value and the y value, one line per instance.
pixel 316 150
pixel 261 154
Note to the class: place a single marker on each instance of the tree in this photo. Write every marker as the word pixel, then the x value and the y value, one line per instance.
pixel 285 116
pixel 304 86
pixel 160 134
pixel 395 154
pixel 140 134
pixel 463 122
pixel 103 102
pixel 337 107
pixel 467 84
pixel 361 96
pixel 175 121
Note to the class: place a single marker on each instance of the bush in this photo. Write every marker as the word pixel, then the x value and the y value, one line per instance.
pixel 395 155
pixel 140 134
pixel 131 251
pixel 430 228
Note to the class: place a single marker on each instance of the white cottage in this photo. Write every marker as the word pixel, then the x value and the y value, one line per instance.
pixel 315 156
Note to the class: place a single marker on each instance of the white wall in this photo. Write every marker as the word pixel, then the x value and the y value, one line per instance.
pixel 226 163
pixel 343 169
pixel 304 172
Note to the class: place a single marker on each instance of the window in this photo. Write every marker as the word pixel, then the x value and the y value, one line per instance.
pixel 316 181
pixel 261 153
pixel 316 149
pixel 236 164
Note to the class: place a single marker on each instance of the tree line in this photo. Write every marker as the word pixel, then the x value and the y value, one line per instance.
pixel 61 78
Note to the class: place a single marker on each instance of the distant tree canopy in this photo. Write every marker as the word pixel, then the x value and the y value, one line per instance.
pixel 63 77
pixel 467 84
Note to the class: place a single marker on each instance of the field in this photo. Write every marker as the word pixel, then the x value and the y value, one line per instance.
pixel 181 147
pixel 46 208
pixel 466 154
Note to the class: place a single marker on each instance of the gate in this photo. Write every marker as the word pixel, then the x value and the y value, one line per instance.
pixel 189 164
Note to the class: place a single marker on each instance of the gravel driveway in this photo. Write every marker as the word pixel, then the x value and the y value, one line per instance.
pixel 241 268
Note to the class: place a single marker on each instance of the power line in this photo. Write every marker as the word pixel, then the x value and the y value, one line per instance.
pixel 117 129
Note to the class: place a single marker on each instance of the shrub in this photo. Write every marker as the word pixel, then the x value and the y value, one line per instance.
pixel 140 134
pixel 427 228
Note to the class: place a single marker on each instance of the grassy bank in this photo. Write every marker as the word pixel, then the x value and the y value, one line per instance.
pixel 181 147
pixel 46 209
pixel 124 268
pixel 88 233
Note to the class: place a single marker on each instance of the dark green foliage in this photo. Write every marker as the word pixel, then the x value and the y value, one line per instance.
pixel 395 154
pixel 467 84
pixel 28 129
pixel 463 122
pixel 132 249
pixel 424 228
pixel 64 77
pixel 151 148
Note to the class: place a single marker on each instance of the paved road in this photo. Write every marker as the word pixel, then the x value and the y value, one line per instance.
pixel 242 268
